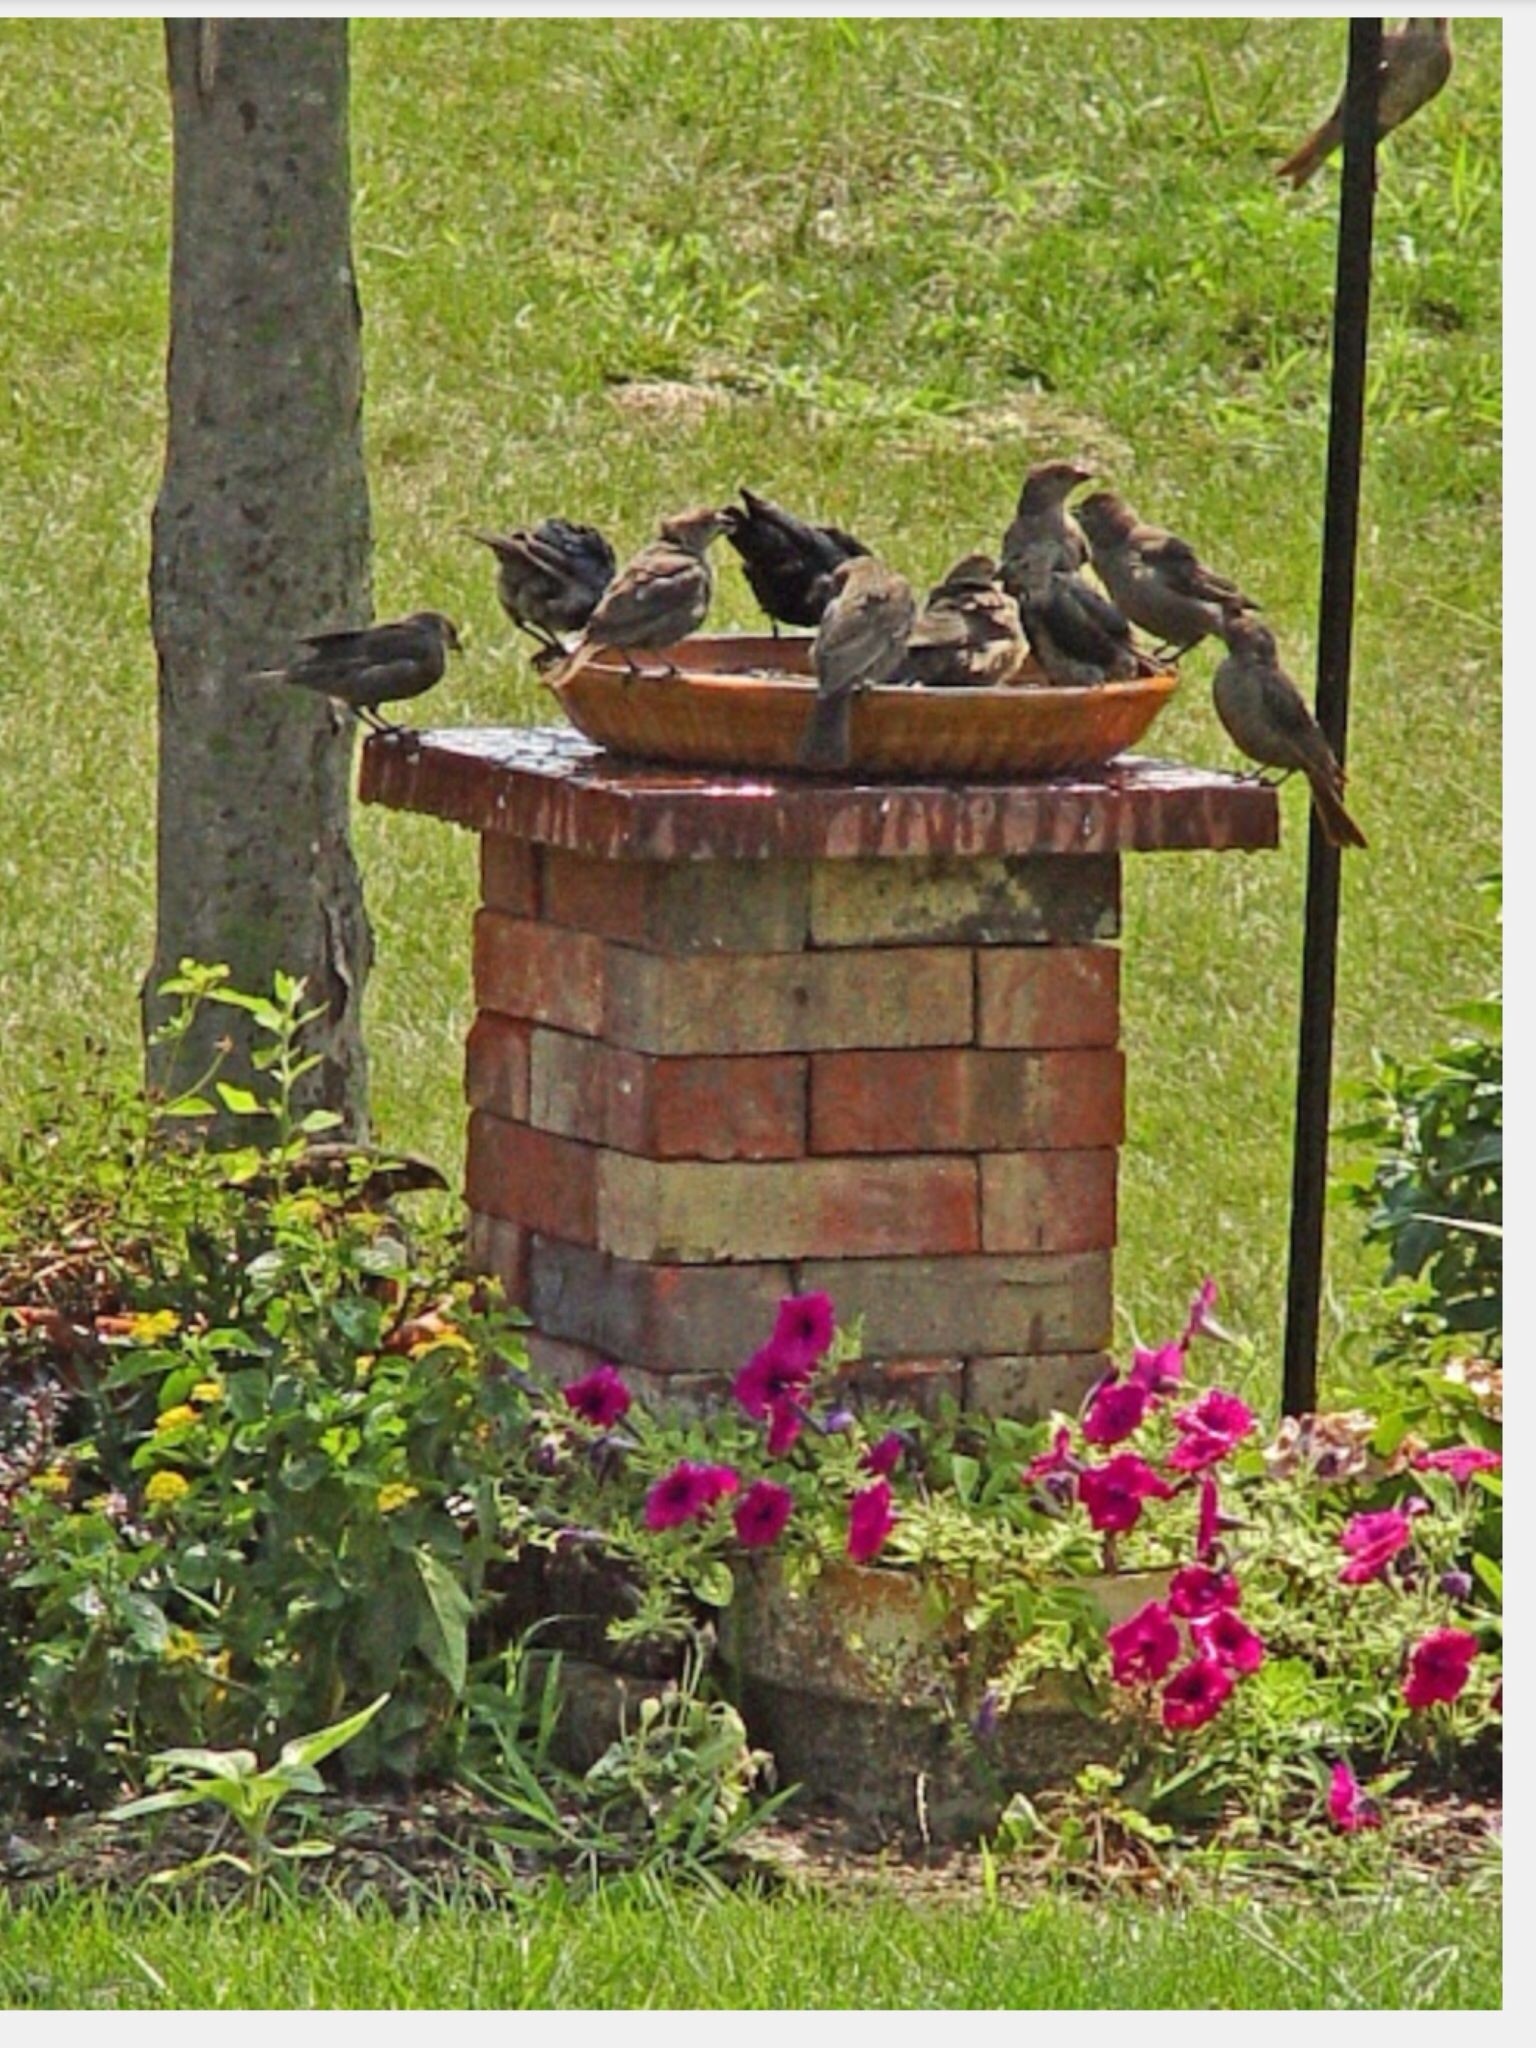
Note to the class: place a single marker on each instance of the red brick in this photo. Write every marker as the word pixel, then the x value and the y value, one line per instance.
pixel 752 1107
pixel 1048 996
pixel 496 1066
pixel 529 1177
pixel 789 1002
pixel 1031 1388
pixel 539 971
pixel 681 1318
pixel 733 906
pixel 925 1384
pixel 844 1208
pixel 493 1245
pixel 1048 1201
pixel 1012 900
pixel 509 875
pixel 965 1306
pixel 959 1099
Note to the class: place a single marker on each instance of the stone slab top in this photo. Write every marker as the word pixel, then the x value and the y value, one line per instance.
pixel 550 785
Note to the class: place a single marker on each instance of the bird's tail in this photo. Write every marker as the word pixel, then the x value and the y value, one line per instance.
pixel 827 741
pixel 1339 828
pixel 1308 160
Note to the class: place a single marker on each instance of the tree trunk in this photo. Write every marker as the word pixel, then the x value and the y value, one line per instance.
pixel 261 534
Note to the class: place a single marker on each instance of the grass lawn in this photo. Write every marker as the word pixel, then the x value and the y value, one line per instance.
pixel 743 1953
pixel 877 267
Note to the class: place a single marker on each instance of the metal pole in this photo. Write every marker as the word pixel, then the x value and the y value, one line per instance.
pixel 1351 319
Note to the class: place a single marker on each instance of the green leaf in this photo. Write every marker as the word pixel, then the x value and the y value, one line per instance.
pixel 158 1802
pixel 443 1634
pixel 309 1749
pixel 239 1101
pixel 966 1474
pixel 233 1764
pixel 320 1120
pixel 188 1105
pixel 714 1583
pixel 1491 1575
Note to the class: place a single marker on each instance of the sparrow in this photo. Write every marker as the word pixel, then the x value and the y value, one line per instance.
pixel 1078 636
pixel 969 633
pixel 1266 717
pixel 1157 580
pixel 788 563
pixel 1415 63
pixel 374 665
pixel 862 640
pixel 659 597
pixel 1043 536
pixel 550 577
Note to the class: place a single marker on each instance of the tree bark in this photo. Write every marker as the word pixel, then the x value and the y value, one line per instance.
pixel 261 534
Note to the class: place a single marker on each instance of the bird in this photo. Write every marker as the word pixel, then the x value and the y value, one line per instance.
pixel 1266 717
pixel 1156 579
pixel 1043 536
pixel 1415 63
pixel 862 640
pixel 969 632
pixel 372 665
pixel 659 597
pixel 788 563
pixel 550 577
pixel 1078 636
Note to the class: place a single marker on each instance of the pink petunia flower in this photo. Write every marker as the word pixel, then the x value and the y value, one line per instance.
pixel 1348 1806
pixel 1116 1411
pixel 761 1513
pixel 1460 1460
pixel 687 1493
pixel 1227 1638
pixel 1199 1313
pixel 1372 1542
pixel 1056 1463
pixel 1209 1527
pixel 1196 1591
pixel 600 1397
pixel 1439 1665
pixel 1196 1694
pixel 1216 1424
pixel 785 1421
pixel 771 1374
pixel 1113 1492
pixel 871 1519
pixel 1145 1646
pixel 1160 1371
pixel 804 1328
pixel 883 1458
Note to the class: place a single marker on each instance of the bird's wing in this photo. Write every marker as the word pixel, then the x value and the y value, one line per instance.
pixel 647 588
pixel 394 642
pixel 1183 571
pixel 774 535
pixel 1086 626
pixel 1289 712
pixel 941 625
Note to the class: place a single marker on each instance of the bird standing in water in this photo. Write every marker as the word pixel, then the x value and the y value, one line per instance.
pixel 1266 717
pixel 969 633
pixel 862 640
pixel 550 577
pixel 373 665
pixel 788 563
pixel 659 597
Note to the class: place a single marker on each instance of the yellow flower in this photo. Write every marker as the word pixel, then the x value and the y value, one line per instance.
pixel 181 1645
pixel 396 1495
pixel 54 1482
pixel 208 1390
pixel 165 1489
pixel 173 1418
pixel 149 1329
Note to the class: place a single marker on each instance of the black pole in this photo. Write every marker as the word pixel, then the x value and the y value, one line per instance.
pixel 1346 421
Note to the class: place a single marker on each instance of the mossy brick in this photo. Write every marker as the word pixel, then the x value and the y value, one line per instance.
pixel 926 1384
pixel 731 906
pixel 948 900
pixel 688 1318
pixel 1048 1201
pixel 496 1065
pixel 964 1306
pixel 1031 1387
pixel 1047 996
pixel 966 1099
pixel 539 971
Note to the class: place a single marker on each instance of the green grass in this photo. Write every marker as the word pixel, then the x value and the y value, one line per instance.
pixel 740 1953
pixel 903 259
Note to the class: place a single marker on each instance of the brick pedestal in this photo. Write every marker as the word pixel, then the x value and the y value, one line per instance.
pixel 737 1038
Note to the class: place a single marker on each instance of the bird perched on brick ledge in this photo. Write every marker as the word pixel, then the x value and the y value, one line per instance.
pixel 1156 579
pixel 862 640
pixel 788 563
pixel 1415 63
pixel 1266 717
pixel 659 597
pixel 373 665
pixel 550 577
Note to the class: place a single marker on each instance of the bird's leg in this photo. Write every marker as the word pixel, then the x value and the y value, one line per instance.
pixel 374 722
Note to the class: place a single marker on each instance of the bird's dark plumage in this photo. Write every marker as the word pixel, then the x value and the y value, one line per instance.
pixel 372 665
pixel 550 577
pixel 1078 636
pixel 1267 718
pixel 788 563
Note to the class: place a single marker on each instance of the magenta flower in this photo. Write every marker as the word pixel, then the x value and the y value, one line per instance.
pixel 1372 1542
pixel 1214 1426
pixel 883 1458
pixel 803 1329
pixel 1160 1371
pixel 1197 1591
pixel 1209 1527
pixel 785 1420
pixel 1116 1411
pixel 1145 1646
pixel 601 1397
pixel 1196 1694
pixel 687 1493
pixel 1227 1638
pixel 1113 1492
pixel 771 1374
pixel 871 1519
pixel 1348 1806
pixel 1199 1313
pixel 1439 1665
pixel 1460 1460
pixel 761 1513
pixel 1056 1463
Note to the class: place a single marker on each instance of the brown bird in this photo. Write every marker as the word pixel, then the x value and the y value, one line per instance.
pixel 1157 580
pixel 550 577
pixel 1078 636
pixel 1043 536
pixel 862 640
pixel 1266 717
pixel 373 665
pixel 659 597
pixel 1415 63
pixel 970 633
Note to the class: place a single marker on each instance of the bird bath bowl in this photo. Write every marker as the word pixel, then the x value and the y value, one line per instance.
pixel 741 700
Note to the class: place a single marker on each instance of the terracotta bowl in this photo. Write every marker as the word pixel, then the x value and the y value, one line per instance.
pixel 741 700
